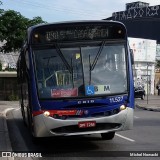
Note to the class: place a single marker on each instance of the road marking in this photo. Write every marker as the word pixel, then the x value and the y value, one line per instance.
pixel 136 117
pixel 129 139
pixel 7 110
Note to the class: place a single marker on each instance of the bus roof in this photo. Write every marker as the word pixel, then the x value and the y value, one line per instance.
pixel 73 22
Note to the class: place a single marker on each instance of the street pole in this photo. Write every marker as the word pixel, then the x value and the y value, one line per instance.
pixel 147 82
pixel 148 64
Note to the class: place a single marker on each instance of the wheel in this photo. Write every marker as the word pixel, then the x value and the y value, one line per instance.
pixel 22 109
pixel 35 140
pixel 30 122
pixel 108 136
pixel 142 97
pixel 23 115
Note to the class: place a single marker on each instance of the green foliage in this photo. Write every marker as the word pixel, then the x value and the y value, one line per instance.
pixel 13 97
pixel 157 63
pixel 34 21
pixel 10 69
pixel 13 28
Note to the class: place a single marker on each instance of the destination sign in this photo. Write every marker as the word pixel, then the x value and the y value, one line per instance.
pixel 86 33
pixel 53 33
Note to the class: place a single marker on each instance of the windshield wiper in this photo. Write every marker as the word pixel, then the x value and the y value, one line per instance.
pixel 89 69
pixel 48 60
pixel 70 68
pixel 63 58
pixel 97 56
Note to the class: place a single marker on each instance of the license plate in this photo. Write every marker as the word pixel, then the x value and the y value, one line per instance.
pixel 87 124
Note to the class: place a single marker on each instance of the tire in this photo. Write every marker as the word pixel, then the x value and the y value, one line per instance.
pixel 35 140
pixel 108 136
pixel 22 109
pixel 30 122
pixel 29 118
pixel 142 97
pixel 23 115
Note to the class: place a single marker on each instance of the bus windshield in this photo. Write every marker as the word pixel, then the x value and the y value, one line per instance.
pixel 81 70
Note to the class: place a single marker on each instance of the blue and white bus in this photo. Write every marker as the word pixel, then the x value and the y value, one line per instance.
pixel 76 78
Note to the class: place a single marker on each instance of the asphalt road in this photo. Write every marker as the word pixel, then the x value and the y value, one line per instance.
pixel 144 137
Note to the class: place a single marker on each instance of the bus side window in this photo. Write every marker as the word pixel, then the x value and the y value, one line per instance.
pixel 19 70
pixel 132 56
pixel 26 58
pixel 22 67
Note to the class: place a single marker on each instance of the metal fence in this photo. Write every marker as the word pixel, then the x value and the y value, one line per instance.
pixel 8 86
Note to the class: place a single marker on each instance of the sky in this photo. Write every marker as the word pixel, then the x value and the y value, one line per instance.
pixel 67 10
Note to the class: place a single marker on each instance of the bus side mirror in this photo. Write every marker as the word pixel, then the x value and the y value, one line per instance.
pixel 132 56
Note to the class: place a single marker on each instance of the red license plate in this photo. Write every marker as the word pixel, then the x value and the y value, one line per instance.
pixel 87 124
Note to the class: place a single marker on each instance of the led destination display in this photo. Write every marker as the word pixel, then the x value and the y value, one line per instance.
pixel 77 33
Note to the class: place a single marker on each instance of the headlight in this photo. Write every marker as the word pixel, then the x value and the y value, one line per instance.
pixel 46 113
pixel 122 107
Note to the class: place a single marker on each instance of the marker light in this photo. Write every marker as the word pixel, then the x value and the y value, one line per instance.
pixel 119 31
pixel 36 35
pixel 46 113
pixel 122 107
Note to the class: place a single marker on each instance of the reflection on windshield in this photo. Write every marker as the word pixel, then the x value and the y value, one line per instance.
pixel 79 78
pixel 109 74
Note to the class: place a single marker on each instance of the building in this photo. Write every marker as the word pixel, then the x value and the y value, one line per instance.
pixel 142 21
pixel 8 85
pixel 144 67
pixel 8 76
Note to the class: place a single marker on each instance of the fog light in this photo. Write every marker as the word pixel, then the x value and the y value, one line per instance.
pixel 122 107
pixel 115 111
pixel 107 113
pixel 55 116
pixel 63 117
pixel 46 113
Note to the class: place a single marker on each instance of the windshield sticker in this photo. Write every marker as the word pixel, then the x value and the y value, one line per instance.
pixel 89 90
pixel 102 89
pixel 56 93
pixel 97 89
pixel 77 55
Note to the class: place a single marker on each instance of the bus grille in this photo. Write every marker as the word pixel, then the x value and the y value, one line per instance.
pixel 95 115
pixel 75 128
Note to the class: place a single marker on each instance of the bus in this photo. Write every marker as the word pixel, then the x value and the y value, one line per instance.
pixel 75 78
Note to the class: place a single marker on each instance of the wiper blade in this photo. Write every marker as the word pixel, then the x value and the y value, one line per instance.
pixel 97 56
pixel 63 58
pixel 89 69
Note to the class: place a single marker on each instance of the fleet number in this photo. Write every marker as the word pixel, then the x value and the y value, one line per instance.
pixel 116 99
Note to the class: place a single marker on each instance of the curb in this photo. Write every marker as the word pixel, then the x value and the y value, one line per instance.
pixel 151 108
pixel 8 142
pixel 9 147
pixel 6 134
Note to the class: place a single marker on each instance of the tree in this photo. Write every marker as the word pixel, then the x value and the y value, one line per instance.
pixel 35 20
pixel 13 28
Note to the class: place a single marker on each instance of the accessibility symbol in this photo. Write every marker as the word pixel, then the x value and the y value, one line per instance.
pixel 89 90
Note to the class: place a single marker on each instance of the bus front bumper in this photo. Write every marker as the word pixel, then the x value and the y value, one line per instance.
pixel 48 126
